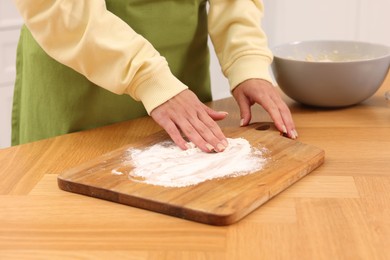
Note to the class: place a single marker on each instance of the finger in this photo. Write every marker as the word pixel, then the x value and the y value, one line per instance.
pixel 287 118
pixel 205 127
pixel 280 114
pixel 273 110
pixel 196 136
pixel 172 130
pixel 215 115
pixel 245 110
pixel 211 132
pixel 186 113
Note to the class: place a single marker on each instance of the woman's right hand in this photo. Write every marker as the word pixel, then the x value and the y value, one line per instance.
pixel 186 114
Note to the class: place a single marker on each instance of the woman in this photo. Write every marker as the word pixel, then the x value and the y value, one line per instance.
pixel 84 64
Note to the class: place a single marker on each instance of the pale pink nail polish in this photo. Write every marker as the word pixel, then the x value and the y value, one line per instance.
pixel 284 129
pixel 210 147
pixel 225 143
pixel 220 147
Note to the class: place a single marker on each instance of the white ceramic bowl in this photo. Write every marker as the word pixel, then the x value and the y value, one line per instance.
pixel 330 73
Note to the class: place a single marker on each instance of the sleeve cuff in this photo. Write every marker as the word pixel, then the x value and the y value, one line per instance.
pixel 158 89
pixel 248 67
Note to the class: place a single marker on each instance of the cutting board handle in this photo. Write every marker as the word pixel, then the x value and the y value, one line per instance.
pixel 263 126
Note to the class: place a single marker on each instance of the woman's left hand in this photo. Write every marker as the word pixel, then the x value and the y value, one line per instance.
pixel 262 92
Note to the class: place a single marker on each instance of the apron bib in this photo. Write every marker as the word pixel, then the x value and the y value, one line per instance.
pixel 51 99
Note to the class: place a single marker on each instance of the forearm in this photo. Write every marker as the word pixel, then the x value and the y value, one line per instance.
pixel 239 41
pixel 85 36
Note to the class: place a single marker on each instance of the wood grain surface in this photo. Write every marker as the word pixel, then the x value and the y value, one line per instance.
pixel 216 202
pixel 339 211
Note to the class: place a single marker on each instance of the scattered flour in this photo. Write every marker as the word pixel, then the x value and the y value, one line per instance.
pixel 165 164
pixel 116 172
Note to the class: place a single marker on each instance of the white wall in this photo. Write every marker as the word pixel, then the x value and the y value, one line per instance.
pixel 10 23
pixel 284 21
pixel 365 20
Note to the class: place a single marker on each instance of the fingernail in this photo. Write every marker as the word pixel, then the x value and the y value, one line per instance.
pixel 292 135
pixel 242 122
pixel 188 146
pixel 284 129
pixel 210 147
pixel 220 147
pixel 295 132
pixel 223 112
pixel 225 143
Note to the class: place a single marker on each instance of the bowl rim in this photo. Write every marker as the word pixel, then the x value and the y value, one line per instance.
pixel 291 43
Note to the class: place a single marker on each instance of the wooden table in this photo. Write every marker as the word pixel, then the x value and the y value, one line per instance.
pixel 339 211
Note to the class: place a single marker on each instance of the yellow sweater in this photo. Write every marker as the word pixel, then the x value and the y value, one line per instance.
pixel 112 55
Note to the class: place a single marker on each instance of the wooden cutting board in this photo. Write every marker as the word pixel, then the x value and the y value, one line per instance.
pixel 216 202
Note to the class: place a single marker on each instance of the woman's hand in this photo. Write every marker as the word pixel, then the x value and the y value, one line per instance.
pixel 184 113
pixel 265 94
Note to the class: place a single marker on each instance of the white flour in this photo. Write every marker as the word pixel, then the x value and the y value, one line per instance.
pixel 165 164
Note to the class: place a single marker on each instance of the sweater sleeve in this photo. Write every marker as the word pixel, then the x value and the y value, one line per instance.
pixel 85 36
pixel 239 41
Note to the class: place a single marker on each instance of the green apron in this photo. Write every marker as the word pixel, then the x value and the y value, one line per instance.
pixel 51 99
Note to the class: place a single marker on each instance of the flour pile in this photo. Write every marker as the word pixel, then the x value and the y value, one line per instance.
pixel 165 164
